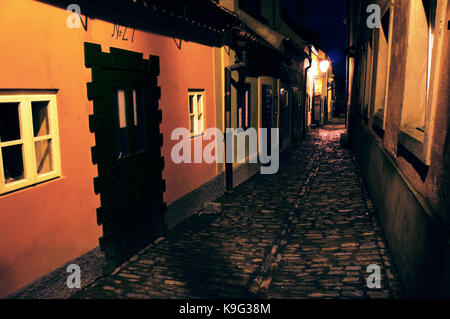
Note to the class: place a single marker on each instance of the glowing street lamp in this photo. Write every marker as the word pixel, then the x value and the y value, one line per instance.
pixel 324 65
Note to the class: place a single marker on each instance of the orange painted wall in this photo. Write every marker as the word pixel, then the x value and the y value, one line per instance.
pixel 44 226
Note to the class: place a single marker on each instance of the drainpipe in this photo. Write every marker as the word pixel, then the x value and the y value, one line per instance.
pixel 227 119
pixel 305 120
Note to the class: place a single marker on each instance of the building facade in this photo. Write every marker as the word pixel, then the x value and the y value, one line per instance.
pixel 93 95
pixel 398 124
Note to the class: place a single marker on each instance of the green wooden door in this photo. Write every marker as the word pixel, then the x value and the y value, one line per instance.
pixel 127 150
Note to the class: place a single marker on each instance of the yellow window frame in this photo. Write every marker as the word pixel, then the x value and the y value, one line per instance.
pixel 198 113
pixel 28 140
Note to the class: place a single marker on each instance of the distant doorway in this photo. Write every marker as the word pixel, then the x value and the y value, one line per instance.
pixel 317 105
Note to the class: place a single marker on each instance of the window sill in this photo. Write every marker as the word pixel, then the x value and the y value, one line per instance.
pixel 413 133
pixel 413 141
pixel 377 126
pixel 197 134
pixel 29 186
pixel 378 121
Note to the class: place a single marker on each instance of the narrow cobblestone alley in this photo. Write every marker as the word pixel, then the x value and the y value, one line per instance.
pixel 306 232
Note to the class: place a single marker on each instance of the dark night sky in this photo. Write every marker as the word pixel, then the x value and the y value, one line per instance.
pixel 326 17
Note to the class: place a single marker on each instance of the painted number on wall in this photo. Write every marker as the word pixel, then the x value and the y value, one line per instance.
pixel 123 32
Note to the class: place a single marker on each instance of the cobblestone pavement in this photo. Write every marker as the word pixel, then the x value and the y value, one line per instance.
pixel 306 232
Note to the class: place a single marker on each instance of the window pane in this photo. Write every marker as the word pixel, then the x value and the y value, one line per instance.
pixel 192 123
pixel 191 104
pixel 122 143
pixel 13 163
pixel 139 119
pixel 200 103
pixel 121 108
pixel 381 71
pixel 9 122
pixel 44 163
pixel 40 118
pixel 415 96
pixel 200 123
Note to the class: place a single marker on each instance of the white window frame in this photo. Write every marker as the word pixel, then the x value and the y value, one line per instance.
pixel 28 140
pixel 198 113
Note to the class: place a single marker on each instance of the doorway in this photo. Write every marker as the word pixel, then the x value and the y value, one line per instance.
pixel 127 150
